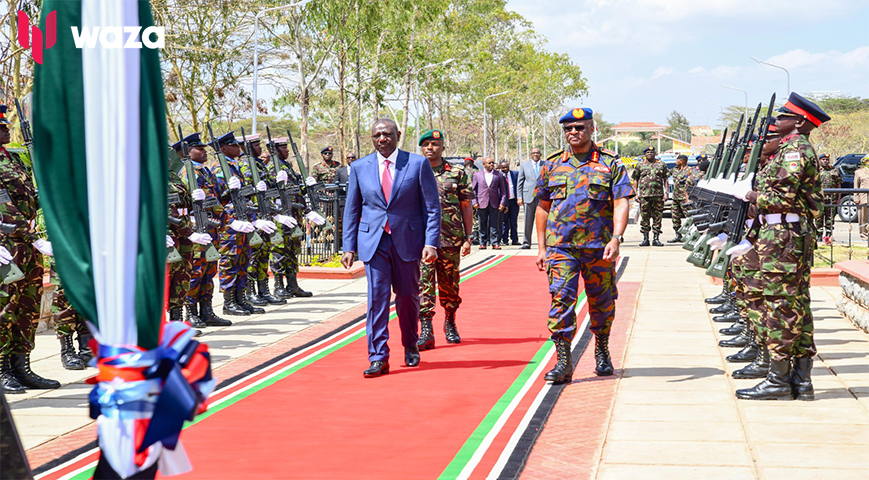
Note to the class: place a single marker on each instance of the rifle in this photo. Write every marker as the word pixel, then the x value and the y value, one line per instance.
pixel 200 215
pixel 10 272
pixel 173 256
pixel 285 191
pixel 704 214
pixel 237 197
pixel 313 198
pixel 28 138
pixel 735 222
pixel 262 198
pixel 694 206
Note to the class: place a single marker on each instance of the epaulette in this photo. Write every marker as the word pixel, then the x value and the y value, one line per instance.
pixel 555 155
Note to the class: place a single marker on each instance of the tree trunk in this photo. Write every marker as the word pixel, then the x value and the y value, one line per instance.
pixel 305 102
pixel 408 86
pixel 342 101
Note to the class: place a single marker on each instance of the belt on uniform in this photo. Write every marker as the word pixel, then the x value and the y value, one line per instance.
pixel 776 218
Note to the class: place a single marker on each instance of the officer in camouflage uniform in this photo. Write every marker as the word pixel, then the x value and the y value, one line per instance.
pixel 470 168
pixel 830 178
pixel 681 180
pixel 650 180
pixel 20 300
pixel 789 201
pixel 201 293
pixel 258 272
pixel 324 172
pixel 582 214
pixel 442 277
pixel 234 239
pixel 285 258
pixel 67 321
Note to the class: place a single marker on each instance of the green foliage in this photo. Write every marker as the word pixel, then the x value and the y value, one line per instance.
pixel 678 127
pixel 842 104
pixel 330 262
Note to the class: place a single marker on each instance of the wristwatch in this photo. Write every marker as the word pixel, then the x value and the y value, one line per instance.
pixel 620 238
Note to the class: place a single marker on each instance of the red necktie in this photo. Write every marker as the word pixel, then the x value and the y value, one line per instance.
pixel 386 184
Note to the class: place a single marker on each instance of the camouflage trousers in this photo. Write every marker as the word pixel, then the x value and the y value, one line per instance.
pixel 780 291
pixel 259 260
pixel 677 213
pixel 564 266
pixel 652 210
pixel 234 260
pixel 21 302
pixel 440 278
pixel 828 217
pixel 181 274
pixel 66 319
pixel 285 258
pixel 201 279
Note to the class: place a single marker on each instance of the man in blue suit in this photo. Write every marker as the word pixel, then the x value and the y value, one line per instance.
pixel 392 219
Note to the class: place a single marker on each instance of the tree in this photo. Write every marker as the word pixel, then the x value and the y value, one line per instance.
pixel 842 104
pixel 678 126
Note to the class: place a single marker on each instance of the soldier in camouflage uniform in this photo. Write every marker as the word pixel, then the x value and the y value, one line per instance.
pixel 469 169
pixel 201 293
pixel 258 272
pixel 234 246
pixel 285 258
pixel 682 178
pixel 650 180
pixel 67 322
pixel 789 201
pixel 582 214
pixel 20 300
pixel 830 178
pixel 324 172
pixel 442 277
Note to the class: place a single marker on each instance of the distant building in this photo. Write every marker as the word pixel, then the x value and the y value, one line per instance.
pixel 625 130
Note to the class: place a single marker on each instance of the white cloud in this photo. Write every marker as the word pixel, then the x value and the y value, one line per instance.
pixel 799 58
pixel 662 71
pixel 697 70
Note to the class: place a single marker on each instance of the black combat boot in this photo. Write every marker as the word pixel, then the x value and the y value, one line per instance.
pixel 192 316
pixel 280 291
pixel 230 307
pixel 731 316
pixel 294 288
pixel 7 381
pixel 645 242
pixel 243 303
pixel 25 376
pixel 175 314
pixel 738 341
pixel 776 386
pixel 725 307
pixel 426 336
pixel 563 371
pixel 251 296
pixel 84 349
pixel 759 368
pixel 720 298
pixel 734 329
pixel 678 239
pixel 801 379
pixel 450 330
pixel 603 363
pixel 656 240
pixel 748 353
pixel 68 357
pixel 206 312
pixel 264 293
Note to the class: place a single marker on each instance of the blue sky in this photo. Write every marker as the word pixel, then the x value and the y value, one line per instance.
pixel 645 58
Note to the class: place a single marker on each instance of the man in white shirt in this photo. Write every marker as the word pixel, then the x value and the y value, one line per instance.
pixel 510 219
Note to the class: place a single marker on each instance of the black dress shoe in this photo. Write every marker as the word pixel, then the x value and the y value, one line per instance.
pixel 377 368
pixel 525 247
pixel 411 356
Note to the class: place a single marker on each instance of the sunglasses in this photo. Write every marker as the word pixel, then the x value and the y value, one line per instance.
pixel 578 128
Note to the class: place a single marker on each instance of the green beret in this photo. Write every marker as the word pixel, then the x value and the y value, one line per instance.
pixel 435 134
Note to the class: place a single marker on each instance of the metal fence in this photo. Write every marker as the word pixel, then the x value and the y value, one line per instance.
pixel 320 244
pixel 843 229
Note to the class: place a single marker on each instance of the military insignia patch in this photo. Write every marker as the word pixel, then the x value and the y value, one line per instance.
pixel 794 166
pixel 601 168
pixel 792 156
pixel 578 113
pixel 436 134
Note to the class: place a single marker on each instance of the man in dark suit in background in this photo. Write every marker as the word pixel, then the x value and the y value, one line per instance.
pixel 342 175
pixel 510 218
pixel 392 219
pixel 490 200
pixel 525 186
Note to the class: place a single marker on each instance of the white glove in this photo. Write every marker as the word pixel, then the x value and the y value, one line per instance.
pixel 198 194
pixel 740 249
pixel 718 241
pixel 200 238
pixel 241 227
pixel 266 226
pixel 5 256
pixel 282 176
pixel 44 246
pixel 286 220
pixel 310 181
pixel 741 188
pixel 182 211
pixel 261 186
pixel 749 223
pixel 234 183
pixel 169 242
pixel 315 217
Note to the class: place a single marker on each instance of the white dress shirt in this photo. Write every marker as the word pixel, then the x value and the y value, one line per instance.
pixel 489 176
pixel 381 165
pixel 509 186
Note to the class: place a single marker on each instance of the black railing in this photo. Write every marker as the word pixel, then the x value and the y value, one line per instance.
pixel 319 244
pixel 850 227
